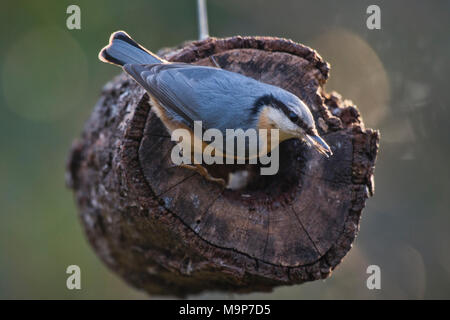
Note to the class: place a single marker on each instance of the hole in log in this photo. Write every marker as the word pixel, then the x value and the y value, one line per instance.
pixel 271 188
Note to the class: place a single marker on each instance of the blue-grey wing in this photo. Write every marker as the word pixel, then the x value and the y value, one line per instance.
pixel 219 98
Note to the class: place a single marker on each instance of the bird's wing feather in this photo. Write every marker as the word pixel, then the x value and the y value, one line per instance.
pixel 219 98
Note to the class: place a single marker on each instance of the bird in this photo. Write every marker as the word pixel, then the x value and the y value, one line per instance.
pixel 183 93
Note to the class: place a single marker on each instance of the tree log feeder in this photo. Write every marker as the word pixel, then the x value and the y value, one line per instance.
pixel 169 231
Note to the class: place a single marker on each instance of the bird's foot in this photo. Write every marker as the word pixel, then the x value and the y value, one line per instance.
pixel 204 173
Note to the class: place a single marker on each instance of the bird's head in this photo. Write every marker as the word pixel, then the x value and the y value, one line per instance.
pixel 293 119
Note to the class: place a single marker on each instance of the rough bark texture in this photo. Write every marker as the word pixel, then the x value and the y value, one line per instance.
pixel 169 231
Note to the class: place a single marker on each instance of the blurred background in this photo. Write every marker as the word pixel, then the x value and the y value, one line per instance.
pixel 50 79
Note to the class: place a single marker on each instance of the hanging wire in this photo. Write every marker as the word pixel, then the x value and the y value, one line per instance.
pixel 202 20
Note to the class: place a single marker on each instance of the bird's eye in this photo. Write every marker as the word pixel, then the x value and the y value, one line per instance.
pixel 293 117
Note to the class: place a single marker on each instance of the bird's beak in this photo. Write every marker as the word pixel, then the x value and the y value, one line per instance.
pixel 319 144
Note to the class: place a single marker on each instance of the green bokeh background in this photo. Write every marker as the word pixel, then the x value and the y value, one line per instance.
pixel 50 79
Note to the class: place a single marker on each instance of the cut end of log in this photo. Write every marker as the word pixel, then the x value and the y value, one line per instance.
pixel 168 230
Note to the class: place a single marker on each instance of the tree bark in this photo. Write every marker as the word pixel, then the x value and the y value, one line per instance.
pixel 167 230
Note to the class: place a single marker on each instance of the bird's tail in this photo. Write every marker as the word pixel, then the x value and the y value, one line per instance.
pixel 123 50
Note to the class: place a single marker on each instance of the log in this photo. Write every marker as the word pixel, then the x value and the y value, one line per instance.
pixel 169 231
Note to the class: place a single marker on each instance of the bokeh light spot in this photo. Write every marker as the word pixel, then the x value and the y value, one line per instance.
pixel 356 72
pixel 44 74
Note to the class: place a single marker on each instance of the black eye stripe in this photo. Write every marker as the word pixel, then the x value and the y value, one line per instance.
pixel 282 107
pixel 264 100
pixel 271 100
pixel 287 111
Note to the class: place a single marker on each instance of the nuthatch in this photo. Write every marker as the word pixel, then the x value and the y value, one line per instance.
pixel 183 93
